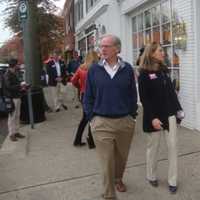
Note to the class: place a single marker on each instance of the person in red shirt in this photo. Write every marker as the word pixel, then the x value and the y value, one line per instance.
pixel 79 81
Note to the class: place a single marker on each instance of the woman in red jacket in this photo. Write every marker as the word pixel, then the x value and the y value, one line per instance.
pixel 79 81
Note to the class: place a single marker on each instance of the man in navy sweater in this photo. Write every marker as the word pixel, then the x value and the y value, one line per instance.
pixel 110 103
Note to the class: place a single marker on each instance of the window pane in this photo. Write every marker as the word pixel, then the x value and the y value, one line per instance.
pixel 165 11
pixel 140 22
pixel 147 36
pixel 134 40
pixel 90 42
pixel 141 39
pixel 135 55
pixel 176 59
pixel 166 34
pixel 156 15
pixel 82 46
pixel 156 34
pixel 147 19
pixel 134 25
pixel 168 56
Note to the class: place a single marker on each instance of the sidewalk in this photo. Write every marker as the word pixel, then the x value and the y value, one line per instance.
pixel 46 166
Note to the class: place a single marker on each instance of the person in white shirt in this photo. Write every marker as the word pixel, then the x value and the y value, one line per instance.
pixel 57 75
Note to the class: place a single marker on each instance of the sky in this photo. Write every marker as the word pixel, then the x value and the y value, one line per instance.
pixel 5 33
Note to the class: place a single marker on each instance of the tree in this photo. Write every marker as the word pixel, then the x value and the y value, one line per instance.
pixel 50 26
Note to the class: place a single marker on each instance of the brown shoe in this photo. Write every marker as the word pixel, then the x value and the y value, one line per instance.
pixel 120 186
pixel 19 135
pixel 13 138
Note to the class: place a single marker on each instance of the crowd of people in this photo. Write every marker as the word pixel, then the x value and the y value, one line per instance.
pixel 106 88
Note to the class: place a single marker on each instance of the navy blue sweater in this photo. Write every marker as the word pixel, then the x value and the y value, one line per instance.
pixel 116 97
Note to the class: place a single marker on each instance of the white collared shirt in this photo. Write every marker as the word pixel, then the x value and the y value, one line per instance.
pixel 58 68
pixel 111 70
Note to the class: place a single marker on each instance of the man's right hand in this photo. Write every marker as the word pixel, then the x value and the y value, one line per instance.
pixel 157 124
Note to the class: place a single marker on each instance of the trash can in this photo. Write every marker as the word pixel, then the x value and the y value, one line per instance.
pixel 37 105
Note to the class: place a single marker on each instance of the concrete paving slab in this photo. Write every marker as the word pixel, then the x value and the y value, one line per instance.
pixel 89 187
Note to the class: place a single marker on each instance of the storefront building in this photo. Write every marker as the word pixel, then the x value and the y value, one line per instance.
pixel 173 23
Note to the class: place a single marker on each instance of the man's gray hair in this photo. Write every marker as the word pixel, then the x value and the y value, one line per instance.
pixel 116 40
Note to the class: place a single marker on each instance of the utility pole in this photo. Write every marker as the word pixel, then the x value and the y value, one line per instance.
pixel 32 58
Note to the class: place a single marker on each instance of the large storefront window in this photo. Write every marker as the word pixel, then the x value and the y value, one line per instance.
pixel 86 44
pixel 155 24
pixel 82 47
pixel 90 42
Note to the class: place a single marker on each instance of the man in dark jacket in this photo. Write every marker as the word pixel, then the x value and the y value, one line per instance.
pixel 110 102
pixel 72 67
pixel 13 89
pixel 57 75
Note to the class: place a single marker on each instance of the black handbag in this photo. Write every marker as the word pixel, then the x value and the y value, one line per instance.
pixel 6 105
pixel 3 107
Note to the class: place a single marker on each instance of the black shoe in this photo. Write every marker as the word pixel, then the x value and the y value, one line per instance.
pixel 172 189
pixel 79 144
pixel 13 138
pixel 91 143
pixel 19 135
pixel 154 183
pixel 64 106
pixel 58 110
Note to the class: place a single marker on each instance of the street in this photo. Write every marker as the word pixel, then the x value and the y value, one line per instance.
pixel 46 166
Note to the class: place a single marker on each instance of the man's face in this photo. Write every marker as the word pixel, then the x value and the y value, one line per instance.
pixel 75 55
pixel 56 56
pixel 108 49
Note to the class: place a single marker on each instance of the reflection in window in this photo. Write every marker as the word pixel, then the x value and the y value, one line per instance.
pixel 156 15
pixel 134 40
pixel 168 57
pixel 82 47
pixel 156 34
pixel 90 42
pixel 166 34
pixel 176 60
pixel 165 11
pixel 140 22
pixel 147 19
pixel 134 25
pixel 141 39
pixel 147 36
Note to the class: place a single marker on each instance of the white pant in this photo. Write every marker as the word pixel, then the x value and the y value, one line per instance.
pixel 14 118
pixel 153 141
pixel 57 93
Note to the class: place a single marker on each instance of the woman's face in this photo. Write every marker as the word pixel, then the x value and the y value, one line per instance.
pixel 159 54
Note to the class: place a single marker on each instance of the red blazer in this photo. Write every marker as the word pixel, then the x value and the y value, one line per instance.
pixel 79 79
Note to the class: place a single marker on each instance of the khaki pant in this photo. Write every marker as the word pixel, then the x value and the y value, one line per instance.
pixel 153 141
pixel 14 118
pixel 57 93
pixel 113 139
